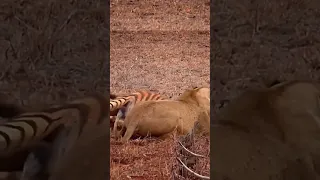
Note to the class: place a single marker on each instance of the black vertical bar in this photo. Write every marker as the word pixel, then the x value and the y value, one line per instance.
pixel 108 85
pixel 211 83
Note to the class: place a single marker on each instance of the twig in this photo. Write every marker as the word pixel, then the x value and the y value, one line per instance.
pixel 197 155
pixel 194 173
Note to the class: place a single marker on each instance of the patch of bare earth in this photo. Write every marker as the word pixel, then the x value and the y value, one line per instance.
pixel 162 47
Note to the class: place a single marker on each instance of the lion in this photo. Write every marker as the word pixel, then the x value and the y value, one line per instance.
pixel 162 117
pixel 282 120
pixel 125 103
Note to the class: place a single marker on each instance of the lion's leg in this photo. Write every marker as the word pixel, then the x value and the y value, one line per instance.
pixel 131 129
pixel 117 123
pixel 123 113
pixel 203 123
pixel 119 130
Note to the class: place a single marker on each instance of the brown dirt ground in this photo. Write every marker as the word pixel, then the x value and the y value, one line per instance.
pixel 161 46
pixel 52 51
pixel 256 42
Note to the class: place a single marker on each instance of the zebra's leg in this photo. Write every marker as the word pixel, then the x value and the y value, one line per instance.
pixel 118 124
pixel 35 166
pixel 119 128
pixel 129 106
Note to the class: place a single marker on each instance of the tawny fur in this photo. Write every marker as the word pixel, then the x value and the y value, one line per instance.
pixel 122 105
pixel 281 122
pixel 202 126
pixel 161 118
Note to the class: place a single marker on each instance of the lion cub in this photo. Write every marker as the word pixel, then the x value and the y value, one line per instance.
pixel 162 117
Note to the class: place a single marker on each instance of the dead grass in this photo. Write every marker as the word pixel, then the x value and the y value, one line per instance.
pixel 257 42
pixel 201 146
pixel 176 15
pixel 166 61
pixel 142 159
pixel 162 47
pixel 151 158
pixel 52 50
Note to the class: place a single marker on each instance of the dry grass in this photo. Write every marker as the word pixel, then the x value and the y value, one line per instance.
pixel 199 145
pixel 258 42
pixel 176 15
pixel 166 61
pixel 142 159
pixel 163 47
pixel 202 146
pixel 151 158
pixel 52 50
